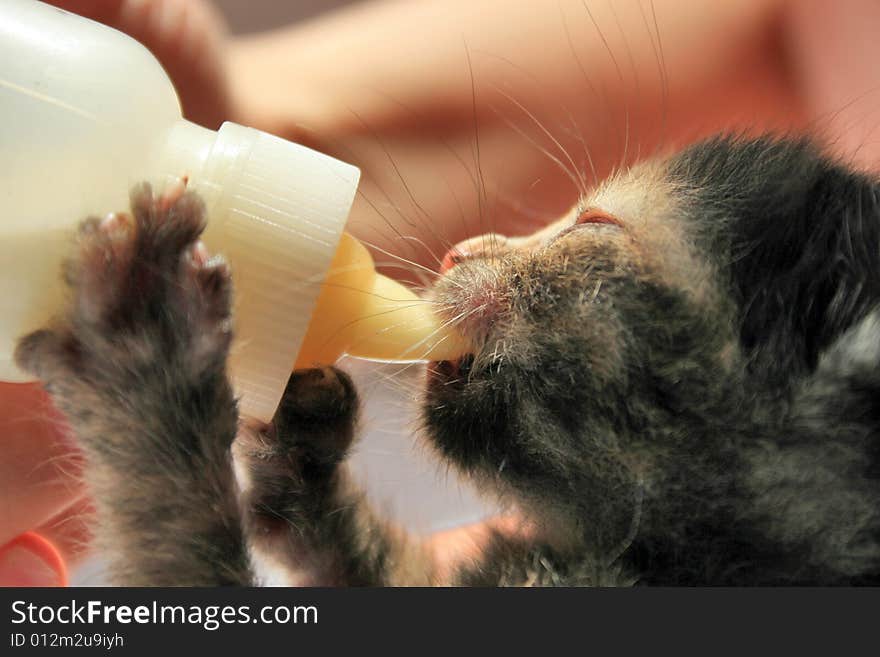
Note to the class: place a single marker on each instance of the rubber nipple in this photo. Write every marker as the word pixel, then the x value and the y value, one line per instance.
pixel 362 313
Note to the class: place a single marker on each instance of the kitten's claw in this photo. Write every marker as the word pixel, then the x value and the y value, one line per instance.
pixel 172 193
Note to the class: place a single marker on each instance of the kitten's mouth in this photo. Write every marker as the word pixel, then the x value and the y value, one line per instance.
pixel 449 371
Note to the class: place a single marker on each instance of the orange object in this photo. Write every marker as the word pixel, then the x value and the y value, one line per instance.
pixel 364 314
pixel 19 554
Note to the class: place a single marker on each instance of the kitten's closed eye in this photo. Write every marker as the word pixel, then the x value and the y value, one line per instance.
pixel 596 216
pixel 587 219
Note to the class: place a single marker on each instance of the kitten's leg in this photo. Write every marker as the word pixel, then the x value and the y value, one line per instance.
pixel 304 514
pixel 302 509
pixel 138 367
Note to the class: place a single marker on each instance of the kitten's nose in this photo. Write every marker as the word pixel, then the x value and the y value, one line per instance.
pixel 474 247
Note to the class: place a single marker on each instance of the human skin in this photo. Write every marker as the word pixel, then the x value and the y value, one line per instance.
pixel 406 90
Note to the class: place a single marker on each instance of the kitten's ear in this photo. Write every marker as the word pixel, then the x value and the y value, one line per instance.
pixel 805 253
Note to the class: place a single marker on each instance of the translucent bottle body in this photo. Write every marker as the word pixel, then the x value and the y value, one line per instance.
pixel 86 113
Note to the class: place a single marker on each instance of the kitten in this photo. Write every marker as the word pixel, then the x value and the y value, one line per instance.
pixel 676 383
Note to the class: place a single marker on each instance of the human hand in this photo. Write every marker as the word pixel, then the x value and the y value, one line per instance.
pixel 187 36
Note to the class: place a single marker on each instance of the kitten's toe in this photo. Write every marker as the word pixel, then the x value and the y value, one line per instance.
pixel 206 295
pixel 45 353
pixel 168 223
pixel 210 284
pixel 98 271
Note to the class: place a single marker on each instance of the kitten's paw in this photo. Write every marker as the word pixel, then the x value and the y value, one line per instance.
pixel 317 415
pixel 321 394
pixel 144 293
pixel 288 468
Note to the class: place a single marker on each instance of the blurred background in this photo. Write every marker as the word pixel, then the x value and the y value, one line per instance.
pixel 259 15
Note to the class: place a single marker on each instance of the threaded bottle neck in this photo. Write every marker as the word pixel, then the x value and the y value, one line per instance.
pixel 276 211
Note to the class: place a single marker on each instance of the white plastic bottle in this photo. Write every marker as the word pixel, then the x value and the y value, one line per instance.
pixel 85 113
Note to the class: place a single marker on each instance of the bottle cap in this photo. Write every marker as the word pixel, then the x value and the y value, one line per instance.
pixel 276 212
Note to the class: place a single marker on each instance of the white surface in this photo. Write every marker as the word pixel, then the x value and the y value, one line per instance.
pixel 399 469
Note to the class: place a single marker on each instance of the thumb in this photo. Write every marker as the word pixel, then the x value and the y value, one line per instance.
pixel 188 37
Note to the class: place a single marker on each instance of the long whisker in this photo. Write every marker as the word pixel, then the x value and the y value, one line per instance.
pixel 370 202
pixel 350 154
pixel 423 283
pixel 450 322
pixel 372 316
pixel 575 174
pixel 413 302
pixel 661 65
pixel 575 126
pixel 544 151
pixel 635 71
pixel 453 152
pixel 619 76
pixel 420 359
pixel 426 222
pixel 397 257
pixel 394 166
pixel 421 242
pixel 592 87
pixel 481 197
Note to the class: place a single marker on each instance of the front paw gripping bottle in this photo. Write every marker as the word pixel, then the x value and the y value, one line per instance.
pixel 87 112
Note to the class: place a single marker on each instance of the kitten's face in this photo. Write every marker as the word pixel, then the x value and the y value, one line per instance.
pixel 588 333
pixel 619 350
